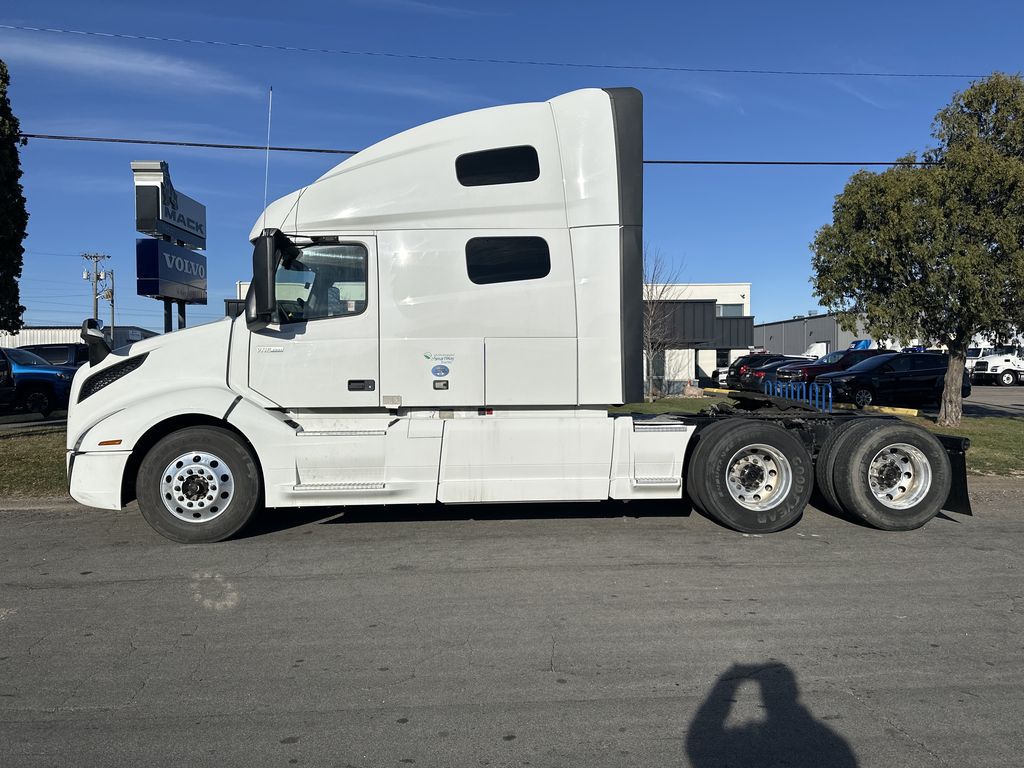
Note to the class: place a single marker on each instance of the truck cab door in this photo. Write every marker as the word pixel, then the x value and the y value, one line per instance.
pixel 322 350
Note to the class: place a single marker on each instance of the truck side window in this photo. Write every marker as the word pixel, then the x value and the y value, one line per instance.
pixel 506 259
pixel 323 281
pixel 508 165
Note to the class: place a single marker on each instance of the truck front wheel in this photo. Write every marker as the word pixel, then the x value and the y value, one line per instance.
pixel 754 478
pixel 1007 378
pixel 199 484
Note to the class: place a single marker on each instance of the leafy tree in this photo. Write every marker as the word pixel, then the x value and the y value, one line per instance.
pixel 13 217
pixel 936 252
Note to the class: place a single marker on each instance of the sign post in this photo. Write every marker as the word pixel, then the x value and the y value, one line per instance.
pixel 168 267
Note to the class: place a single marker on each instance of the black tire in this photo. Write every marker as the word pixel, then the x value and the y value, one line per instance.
pixel 710 467
pixel 232 464
pixel 698 458
pixel 1007 378
pixel 38 399
pixel 824 465
pixel 863 397
pixel 853 471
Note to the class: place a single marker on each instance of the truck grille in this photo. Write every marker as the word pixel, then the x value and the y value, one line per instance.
pixel 980 366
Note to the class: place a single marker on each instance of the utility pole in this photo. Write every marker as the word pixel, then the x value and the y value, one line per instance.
pixel 95 275
pixel 107 294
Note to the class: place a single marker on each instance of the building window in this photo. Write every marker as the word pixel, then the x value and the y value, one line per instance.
pixel 721 358
pixel 507 259
pixel 508 165
pixel 728 310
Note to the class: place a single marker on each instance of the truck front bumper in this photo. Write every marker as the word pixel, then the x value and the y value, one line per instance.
pixel 94 478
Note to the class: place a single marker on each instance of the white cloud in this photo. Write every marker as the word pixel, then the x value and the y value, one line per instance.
pixel 118 64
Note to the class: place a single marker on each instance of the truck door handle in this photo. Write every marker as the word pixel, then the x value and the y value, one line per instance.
pixel 361 385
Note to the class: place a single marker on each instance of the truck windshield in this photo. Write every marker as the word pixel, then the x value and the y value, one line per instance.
pixel 323 281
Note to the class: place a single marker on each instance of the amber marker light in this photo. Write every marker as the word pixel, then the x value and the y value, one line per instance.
pixel 109 442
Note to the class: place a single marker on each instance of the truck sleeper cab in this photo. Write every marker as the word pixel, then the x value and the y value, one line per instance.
pixel 447 316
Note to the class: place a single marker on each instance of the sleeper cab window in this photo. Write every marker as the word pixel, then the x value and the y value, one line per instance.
pixel 507 165
pixel 507 259
pixel 322 281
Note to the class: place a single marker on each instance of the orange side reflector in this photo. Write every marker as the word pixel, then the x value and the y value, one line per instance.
pixel 109 442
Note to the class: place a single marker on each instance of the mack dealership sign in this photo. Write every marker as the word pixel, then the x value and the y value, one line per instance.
pixel 161 210
pixel 168 267
pixel 168 271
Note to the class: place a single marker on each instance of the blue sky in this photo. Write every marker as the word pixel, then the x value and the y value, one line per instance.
pixel 717 224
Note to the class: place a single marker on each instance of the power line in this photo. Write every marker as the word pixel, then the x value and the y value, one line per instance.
pixel 322 151
pixel 475 60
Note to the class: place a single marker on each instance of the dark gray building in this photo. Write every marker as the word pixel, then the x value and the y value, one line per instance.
pixel 795 336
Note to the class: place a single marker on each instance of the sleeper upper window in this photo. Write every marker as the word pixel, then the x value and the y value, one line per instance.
pixel 506 259
pixel 508 165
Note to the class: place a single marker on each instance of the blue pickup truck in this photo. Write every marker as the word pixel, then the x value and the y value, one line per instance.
pixel 27 381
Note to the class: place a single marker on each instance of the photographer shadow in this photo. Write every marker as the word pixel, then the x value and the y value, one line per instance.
pixel 788 735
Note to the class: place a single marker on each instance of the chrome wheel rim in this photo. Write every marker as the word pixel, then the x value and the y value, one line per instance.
pixel 197 487
pixel 758 477
pixel 37 402
pixel 862 397
pixel 900 476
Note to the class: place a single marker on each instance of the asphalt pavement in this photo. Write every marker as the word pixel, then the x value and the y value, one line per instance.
pixel 558 635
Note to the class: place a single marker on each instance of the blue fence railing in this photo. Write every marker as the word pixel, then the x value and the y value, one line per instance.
pixel 815 395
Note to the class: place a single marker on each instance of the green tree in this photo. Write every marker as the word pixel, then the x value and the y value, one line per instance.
pixel 13 217
pixel 936 252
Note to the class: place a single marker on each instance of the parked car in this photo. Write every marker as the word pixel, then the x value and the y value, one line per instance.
pixel 6 384
pixel 915 378
pixel 38 386
pixel 839 360
pixel 60 354
pixel 743 365
pixel 754 379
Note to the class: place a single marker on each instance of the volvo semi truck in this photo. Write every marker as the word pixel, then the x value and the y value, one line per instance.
pixel 446 317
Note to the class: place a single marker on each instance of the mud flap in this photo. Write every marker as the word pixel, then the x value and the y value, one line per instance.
pixel 956 449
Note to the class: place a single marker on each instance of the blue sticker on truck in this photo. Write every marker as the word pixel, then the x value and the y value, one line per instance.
pixel 439 370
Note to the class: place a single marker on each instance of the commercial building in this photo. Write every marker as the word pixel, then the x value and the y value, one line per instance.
pixel 798 334
pixel 707 326
pixel 69 334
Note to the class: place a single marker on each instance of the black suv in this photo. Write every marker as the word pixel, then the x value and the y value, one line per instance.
pixel 907 377
pixel 742 365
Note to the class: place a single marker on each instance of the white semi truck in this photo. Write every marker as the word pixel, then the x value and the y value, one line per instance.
pixel 447 317
pixel 1004 365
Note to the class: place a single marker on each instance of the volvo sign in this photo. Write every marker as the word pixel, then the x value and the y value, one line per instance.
pixel 168 271
pixel 168 267
pixel 163 211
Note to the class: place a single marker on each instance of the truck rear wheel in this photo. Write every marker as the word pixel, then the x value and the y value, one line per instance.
pixel 893 476
pixel 752 477
pixel 199 484
pixel 825 463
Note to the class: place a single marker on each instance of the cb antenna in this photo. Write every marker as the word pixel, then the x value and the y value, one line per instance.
pixel 266 167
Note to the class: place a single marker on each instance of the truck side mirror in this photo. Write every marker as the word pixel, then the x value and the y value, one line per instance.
pixel 269 250
pixel 93 336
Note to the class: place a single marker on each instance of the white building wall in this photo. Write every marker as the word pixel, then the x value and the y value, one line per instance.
pixel 723 293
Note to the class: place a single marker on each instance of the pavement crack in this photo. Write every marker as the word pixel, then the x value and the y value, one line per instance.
pixel 895 725
pixel 551 659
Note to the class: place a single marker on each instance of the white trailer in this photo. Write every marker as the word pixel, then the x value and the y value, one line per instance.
pixel 447 317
